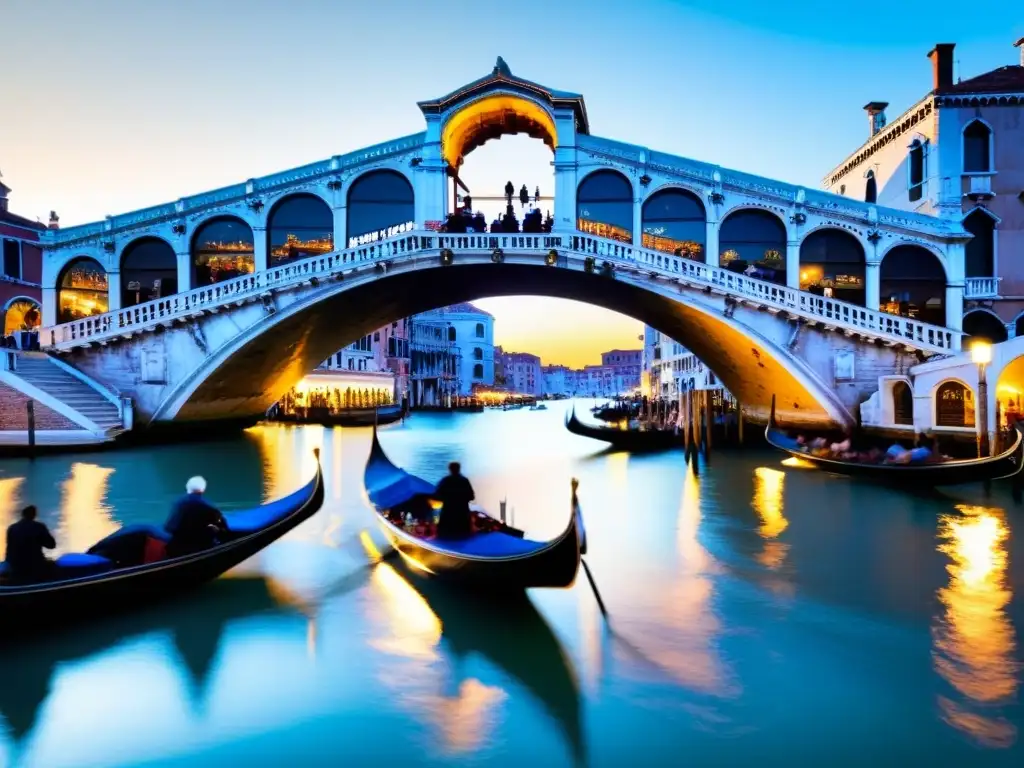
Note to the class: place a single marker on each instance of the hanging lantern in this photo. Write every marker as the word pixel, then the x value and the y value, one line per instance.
pixel 608 269
pixel 552 258
pixel 588 265
pixel 447 257
pixel 498 256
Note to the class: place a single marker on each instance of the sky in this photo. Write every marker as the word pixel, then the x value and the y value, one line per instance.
pixel 114 105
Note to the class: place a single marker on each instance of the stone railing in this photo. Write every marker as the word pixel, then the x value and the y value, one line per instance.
pixel 621 256
pixel 981 287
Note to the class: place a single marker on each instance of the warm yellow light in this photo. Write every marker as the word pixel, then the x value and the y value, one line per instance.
pixel 981 353
pixel 466 125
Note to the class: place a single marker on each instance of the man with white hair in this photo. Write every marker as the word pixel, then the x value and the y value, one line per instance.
pixel 194 524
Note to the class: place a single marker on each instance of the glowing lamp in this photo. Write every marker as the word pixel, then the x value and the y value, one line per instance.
pixel 498 256
pixel 447 257
pixel 552 258
pixel 981 353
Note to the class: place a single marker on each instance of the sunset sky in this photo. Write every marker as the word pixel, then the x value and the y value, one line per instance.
pixel 113 105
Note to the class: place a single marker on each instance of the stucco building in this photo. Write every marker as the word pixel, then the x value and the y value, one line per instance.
pixel 21 268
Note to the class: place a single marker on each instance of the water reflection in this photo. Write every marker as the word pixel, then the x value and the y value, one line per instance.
pixel 84 518
pixel 974 640
pixel 767 502
pixel 10 491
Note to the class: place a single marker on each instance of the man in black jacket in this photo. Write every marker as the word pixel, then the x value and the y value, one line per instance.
pixel 454 492
pixel 26 540
pixel 194 523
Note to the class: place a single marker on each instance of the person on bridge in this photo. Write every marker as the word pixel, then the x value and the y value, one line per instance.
pixel 454 492
pixel 194 524
pixel 26 540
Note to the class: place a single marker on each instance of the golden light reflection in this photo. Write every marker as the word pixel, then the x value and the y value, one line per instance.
pixel 469 127
pixel 9 494
pixel 85 519
pixel 974 640
pixel 793 461
pixel 768 487
pixel 413 630
pixel 466 719
pixel 618 470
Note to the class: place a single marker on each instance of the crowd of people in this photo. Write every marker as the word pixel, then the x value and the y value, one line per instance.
pixel 925 450
pixel 334 399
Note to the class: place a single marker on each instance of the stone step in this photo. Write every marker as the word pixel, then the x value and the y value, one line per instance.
pixel 41 372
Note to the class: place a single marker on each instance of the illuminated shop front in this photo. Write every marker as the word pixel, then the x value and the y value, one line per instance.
pixel 82 291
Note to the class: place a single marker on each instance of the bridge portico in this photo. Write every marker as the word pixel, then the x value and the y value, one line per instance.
pixel 243 258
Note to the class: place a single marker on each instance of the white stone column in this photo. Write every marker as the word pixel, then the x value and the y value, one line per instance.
pixel 184 271
pixel 955 307
pixel 711 249
pixel 565 190
pixel 793 264
pixel 638 222
pixel 872 285
pixel 260 254
pixel 341 227
pixel 113 291
pixel 49 306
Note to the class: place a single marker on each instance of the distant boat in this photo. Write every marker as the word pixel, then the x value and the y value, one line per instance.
pixel 627 439
pixel 538 407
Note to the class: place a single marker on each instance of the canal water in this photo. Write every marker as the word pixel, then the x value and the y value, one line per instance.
pixel 759 613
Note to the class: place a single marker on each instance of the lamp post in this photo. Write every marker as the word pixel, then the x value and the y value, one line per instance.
pixel 981 355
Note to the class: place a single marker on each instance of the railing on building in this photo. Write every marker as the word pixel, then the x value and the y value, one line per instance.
pixel 165 311
pixel 981 287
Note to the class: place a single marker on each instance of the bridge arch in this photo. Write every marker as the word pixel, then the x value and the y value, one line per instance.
pixel 604 204
pixel 755 237
pixel 149 270
pixel 954 404
pixel 674 220
pixel 983 323
pixel 832 260
pixel 82 289
pixel 20 313
pixel 912 283
pixel 376 202
pixel 222 247
pixel 299 224
pixel 499 113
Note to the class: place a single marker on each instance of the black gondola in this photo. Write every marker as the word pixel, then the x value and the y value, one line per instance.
pixel 627 439
pixel 127 568
pixel 348 417
pixel 949 472
pixel 495 558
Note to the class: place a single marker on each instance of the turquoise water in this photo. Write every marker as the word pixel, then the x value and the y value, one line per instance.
pixel 760 613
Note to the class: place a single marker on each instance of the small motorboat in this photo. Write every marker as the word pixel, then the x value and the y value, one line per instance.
pixel 920 475
pixel 538 407
pixel 497 557
pixel 129 568
pixel 627 439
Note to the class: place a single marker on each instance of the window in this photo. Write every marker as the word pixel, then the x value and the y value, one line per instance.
pixel 832 262
pixel 149 270
pixel 870 188
pixel 378 202
pixel 673 221
pixel 222 248
pixel 451 333
pixel 954 405
pixel 758 240
pixel 12 258
pixel 81 290
pixel 478 354
pixel 981 324
pixel 478 371
pixel 604 206
pixel 977 148
pixel 299 226
pixel 980 249
pixel 902 404
pixel 916 170
pixel 479 330
pixel 913 284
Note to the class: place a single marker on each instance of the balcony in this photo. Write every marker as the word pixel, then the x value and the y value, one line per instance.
pixel 980 186
pixel 981 287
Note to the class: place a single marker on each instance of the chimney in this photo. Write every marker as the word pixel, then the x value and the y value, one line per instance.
pixel 1019 45
pixel 54 221
pixel 942 65
pixel 876 115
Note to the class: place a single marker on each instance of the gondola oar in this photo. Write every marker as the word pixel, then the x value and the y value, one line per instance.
pixel 583 550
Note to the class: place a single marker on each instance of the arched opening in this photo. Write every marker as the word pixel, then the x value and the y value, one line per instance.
pixel 913 284
pixel 1010 398
pixel 479 330
pixel 954 405
pixel 980 250
pixel 21 314
pixel 915 171
pixel 832 265
pixel 478 371
pixel 753 242
pixel 222 248
pixel 149 270
pixel 977 148
pixel 674 221
pixel 982 325
pixel 870 188
pixel 299 226
pixel 478 354
pixel 604 206
pixel 81 290
pixel 380 204
pixel 902 404
pixel 451 333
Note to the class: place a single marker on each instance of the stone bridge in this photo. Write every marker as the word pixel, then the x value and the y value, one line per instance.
pixel 212 306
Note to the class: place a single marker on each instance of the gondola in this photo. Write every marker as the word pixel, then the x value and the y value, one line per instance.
pixel 129 568
pixel 496 557
pixel 627 439
pixel 347 417
pixel 949 472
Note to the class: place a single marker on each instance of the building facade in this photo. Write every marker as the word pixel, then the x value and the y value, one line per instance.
pixel 522 373
pixel 671 369
pixel 435 371
pixel 386 350
pixel 471 329
pixel 22 268
pixel 957 154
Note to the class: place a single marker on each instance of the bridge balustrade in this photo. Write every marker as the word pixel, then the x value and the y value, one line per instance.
pixel 146 316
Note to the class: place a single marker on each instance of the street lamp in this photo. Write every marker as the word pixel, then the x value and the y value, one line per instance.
pixel 981 355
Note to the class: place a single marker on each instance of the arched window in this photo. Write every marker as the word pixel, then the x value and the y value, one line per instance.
pixel 604 206
pixel 832 262
pixel 299 226
pixel 870 188
pixel 984 325
pixel 915 170
pixel 913 284
pixel 954 405
pixel 479 330
pixel 149 270
pixel 674 222
pixel 478 354
pixel 980 249
pixel 478 371
pixel 451 333
pixel 754 242
pixel 902 404
pixel 977 148
pixel 380 204
pixel 81 290
pixel 21 314
pixel 222 248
